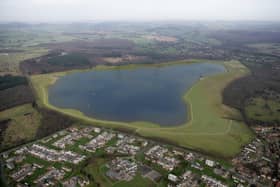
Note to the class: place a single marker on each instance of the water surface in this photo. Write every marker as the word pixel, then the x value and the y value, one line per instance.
pixel 152 94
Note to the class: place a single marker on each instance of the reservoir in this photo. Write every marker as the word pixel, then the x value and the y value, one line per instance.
pixel 152 94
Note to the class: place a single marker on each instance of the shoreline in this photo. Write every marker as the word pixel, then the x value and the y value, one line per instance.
pixel 58 75
pixel 146 129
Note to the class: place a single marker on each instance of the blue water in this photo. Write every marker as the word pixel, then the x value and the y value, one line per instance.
pixel 152 94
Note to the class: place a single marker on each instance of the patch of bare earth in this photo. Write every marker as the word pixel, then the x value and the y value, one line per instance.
pixel 161 38
pixel 126 58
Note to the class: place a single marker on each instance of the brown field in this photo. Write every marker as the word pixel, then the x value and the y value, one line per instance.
pixel 161 38
pixel 126 58
pixel 92 46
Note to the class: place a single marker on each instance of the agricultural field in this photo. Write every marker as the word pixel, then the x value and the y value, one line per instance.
pixel 268 48
pixel 213 128
pixel 20 38
pixel 263 110
pixel 13 51
pixel 22 126
pixel 9 62
pixel 17 45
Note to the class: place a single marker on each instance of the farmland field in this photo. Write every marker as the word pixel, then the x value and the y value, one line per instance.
pixel 213 127
pixel 9 62
pixel 265 110
pixel 22 127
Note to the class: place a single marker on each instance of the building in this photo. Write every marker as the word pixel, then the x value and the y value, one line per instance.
pixel 210 163
pixel 172 178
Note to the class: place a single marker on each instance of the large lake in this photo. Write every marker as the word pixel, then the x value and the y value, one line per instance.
pixel 152 94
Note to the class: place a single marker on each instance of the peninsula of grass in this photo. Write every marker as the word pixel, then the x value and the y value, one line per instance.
pixel 210 128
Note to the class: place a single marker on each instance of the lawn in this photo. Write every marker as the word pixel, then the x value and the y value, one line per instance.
pixel 24 44
pixel 210 128
pixel 266 110
pixel 10 63
pixel 93 169
pixel 25 121
pixel 137 181
pixel 269 48
pixel 97 170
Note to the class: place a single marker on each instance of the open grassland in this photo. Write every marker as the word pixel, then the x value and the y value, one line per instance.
pixel 9 62
pixel 137 181
pixel 268 48
pixel 211 127
pixel 22 127
pixel 15 39
pixel 265 110
pixel 19 45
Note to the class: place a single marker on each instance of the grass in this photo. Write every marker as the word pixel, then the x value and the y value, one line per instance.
pixel 269 48
pixel 10 63
pixel 25 121
pixel 266 110
pixel 209 128
pixel 137 181
pixel 97 169
pixel 93 169
pixel 18 38
pixel 26 44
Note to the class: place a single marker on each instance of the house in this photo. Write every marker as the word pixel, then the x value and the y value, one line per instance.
pixel 10 165
pixel 97 130
pixel 120 136
pixel 210 163
pixel 172 177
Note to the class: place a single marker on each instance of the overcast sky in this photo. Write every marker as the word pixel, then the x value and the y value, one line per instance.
pixel 84 10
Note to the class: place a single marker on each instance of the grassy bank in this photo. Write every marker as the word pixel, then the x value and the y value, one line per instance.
pixel 210 128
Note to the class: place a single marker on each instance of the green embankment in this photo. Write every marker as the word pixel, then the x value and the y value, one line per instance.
pixel 209 128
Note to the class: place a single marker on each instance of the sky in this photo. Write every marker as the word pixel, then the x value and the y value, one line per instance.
pixel 92 10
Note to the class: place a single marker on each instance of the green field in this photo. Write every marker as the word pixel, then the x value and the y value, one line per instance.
pixel 25 121
pixel 268 48
pixel 265 110
pixel 209 129
pixel 137 181
pixel 9 63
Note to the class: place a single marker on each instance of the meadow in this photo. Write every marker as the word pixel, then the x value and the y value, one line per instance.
pixel 213 128
pixel 22 127
pixel 9 62
pixel 263 110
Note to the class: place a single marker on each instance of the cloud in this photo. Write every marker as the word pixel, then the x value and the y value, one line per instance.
pixel 75 10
